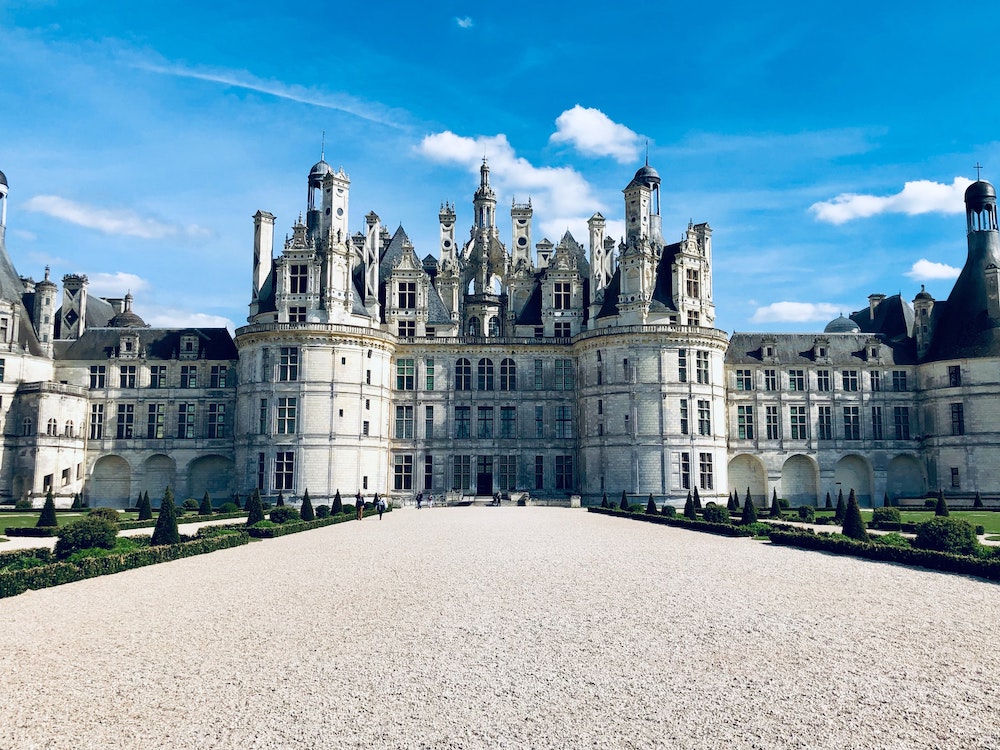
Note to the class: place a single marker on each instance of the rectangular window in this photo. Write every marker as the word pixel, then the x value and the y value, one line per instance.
pixel 463 421
pixel 296 315
pixel 797 419
pixel 796 380
pixel 288 363
pixel 685 425
pixel 954 376
pixel 744 422
pixel 462 474
pixel 3 363
pixel 158 376
pixel 96 421
pixel 405 374
pixel 770 380
pixel 407 298
pixel 507 472
pixel 125 422
pixel 98 376
pixel 705 478
pixel 287 415
pixel 561 330
pixel 957 419
pixel 428 472
pixel 262 417
pixel 298 279
pixel 899 380
pixel 877 427
pixel 261 471
pixel 189 376
pixel 508 375
pixel 365 428
pixel 772 422
pixel 406 329
pixel 901 422
pixel 216 420
pixel 564 375
pixel 155 418
pixel 539 421
pixel 875 380
pixel 185 421
pixel 564 421
pixel 402 472
pixel 539 473
pixel 429 422
pixel 701 366
pixel 404 423
pixel 956 482
pixel 429 374
pixel 852 423
pixel 284 471
pixel 539 381
pixel 126 376
pixel 484 419
pixel 561 295
pixel 849 380
pixel 564 472
pixel 685 471
pixel 692 285
pixel 825 423
pixel 744 380
pixel 218 376
pixel 508 421
pixel 704 417
pixel 822 380
pixel 682 366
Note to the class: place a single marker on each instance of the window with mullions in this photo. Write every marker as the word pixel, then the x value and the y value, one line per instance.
pixel 402 472
pixel 706 478
pixel 772 422
pixel 564 421
pixel 405 374
pixel 404 422
pixel 824 425
pixel 218 376
pixel 158 376
pixel 682 366
pixel 564 472
pixel 407 298
pixel 484 375
pixel 685 471
pixel 155 419
pixel 797 422
pixel 701 366
pixel 875 380
pixel 685 425
pixel 849 380
pixel 126 421
pixel 852 423
pixel 126 376
pixel 189 376
pixel 288 363
pixel 704 418
pixel 744 380
pixel 538 381
pixel 507 472
pixel 463 375
pixel 508 422
pixel 822 380
pixel 484 422
pixel 429 422
pixel 561 295
pixel 284 471
pixel 185 421
pixel 957 419
pixel 429 374
pixel 461 473
pixel 216 420
pixel 98 376
pixel 901 422
pixel 796 380
pixel 744 422
pixel 564 375
pixel 298 279
pixel 899 380
pixel 954 376
pixel 463 419
pixel 508 375
pixel 287 415
pixel 877 426
pixel 770 380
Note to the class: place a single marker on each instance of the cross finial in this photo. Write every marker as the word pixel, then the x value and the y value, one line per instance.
pixel 978 168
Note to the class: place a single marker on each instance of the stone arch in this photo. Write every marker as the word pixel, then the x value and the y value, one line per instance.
pixel 855 472
pixel 159 472
pixel 110 483
pixel 905 478
pixel 748 471
pixel 799 481
pixel 215 475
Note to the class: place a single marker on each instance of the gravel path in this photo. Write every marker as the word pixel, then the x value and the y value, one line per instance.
pixel 504 628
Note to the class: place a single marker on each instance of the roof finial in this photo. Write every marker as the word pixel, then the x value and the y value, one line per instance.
pixel 322 148
pixel 647 152
pixel 978 168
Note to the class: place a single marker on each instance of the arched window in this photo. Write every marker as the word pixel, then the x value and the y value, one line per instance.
pixel 485 375
pixel 493 325
pixel 463 375
pixel 52 428
pixel 26 426
pixel 68 431
pixel 474 328
pixel 508 375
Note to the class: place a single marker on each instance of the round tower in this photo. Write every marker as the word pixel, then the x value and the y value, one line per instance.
pixel 45 311
pixel 3 203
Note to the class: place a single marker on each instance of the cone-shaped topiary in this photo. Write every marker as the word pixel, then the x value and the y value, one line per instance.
pixel 689 511
pixel 978 502
pixel 733 504
pixel 838 516
pixel 748 498
pixel 829 502
pixel 47 518
pixel 166 522
pixel 941 509
pixel 651 506
pixel 338 505
pixel 76 501
pixel 854 527
pixel 205 509
pixel 604 500
pixel 697 499
pixel 145 496
pixel 306 511
pixel 281 500
pixel 145 511
pixel 885 501
pixel 775 506
pixel 623 505
pixel 236 500
pixel 255 509
pixel 749 510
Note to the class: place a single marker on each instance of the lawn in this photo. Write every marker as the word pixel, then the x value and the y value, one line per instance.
pixel 30 518
pixel 989 520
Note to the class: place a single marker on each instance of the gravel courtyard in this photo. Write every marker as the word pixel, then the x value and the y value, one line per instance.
pixel 504 628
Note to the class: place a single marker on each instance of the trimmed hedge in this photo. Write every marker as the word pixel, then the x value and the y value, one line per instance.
pixel 181 520
pixel 722 529
pixel 37 531
pixel 293 527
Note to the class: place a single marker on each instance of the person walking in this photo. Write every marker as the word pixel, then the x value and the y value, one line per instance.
pixel 380 507
pixel 361 506
pixel 420 500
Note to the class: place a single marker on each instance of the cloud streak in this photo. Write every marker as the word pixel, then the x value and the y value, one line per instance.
pixel 116 222
pixel 926 270
pixel 464 23
pixel 115 284
pixel 796 312
pixel 917 197
pixel 593 133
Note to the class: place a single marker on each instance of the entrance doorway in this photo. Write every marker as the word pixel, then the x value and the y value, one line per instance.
pixel 484 475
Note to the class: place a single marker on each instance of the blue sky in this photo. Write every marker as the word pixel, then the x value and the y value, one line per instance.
pixel 828 145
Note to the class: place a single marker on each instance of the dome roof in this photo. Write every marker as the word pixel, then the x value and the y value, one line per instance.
pixel 127 319
pixel 923 294
pixel 3 180
pixel 320 169
pixel 647 174
pixel 842 325
pixel 979 190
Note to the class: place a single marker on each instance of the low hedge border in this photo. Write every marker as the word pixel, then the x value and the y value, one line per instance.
pixel 721 529
pixel 18 581
pixel 293 527
pixel 151 523
pixel 35 531
pixel 921 558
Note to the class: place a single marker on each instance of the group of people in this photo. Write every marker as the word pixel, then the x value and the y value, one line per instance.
pixel 420 500
pixel 378 502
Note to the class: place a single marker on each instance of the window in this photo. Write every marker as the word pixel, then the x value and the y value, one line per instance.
pixel 825 423
pixel 368 377
pixel 508 375
pixel 365 428
pixel 694 318
pixel 539 382
pixel 507 472
pixel 484 375
pixel 600 375
pixel 772 423
pixel 126 376
pixel 564 421
pixel 561 295
pixel 189 376
pixel 288 363
pixel 562 330
pixel 957 419
pixel 405 378
pixel 704 417
pixel 877 430
pixel 744 380
pixel 462 472
pixel 875 380
pixel 429 374
pixel 744 422
pixel 284 470
pixel 564 375
pixel 796 380
pixel 693 288
pixel 849 380
pixel 216 420
pixel 508 421
pixel 600 406
pixel 474 327
pixel 69 430
pixel 955 481
pixel 484 419
pixel 564 472
pixel 901 422
pixel 158 376
pixel 770 380
pixel 705 478
pixel 404 423
pixel 685 471
pixel 98 376
pixel 407 295
pixel 539 421
pixel 65 477
pixel 428 472
pixel 429 422
pixel 287 414
pixel 261 471
pixel 402 472
pixel 96 421
pixel 125 421
pixel 852 423
pixel 52 428
pixel 701 366
pixel 899 380
pixel 262 417
pixel 954 376
pixel 185 421
pixel 298 279
pixel 797 418
pixel 406 329
pixel 822 380
pixel 218 375
pixel 155 414
pixel 463 375
pixel 684 416
pixel 682 366
pixel 27 427
pixel 296 315
pixel 463 419
pixel 539 472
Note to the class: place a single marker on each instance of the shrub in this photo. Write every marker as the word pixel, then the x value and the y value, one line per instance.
pixel 651 505
pixel 281 500
pixel 229 507
pixel 190 504
pixel 749 511
pixel 93 531
pixel 236 500
pixel 854 527
pixel 978 502
pixel 829 502
pixel 48 515
pixel 775 506
pixel 807 514
pixel 886 503
pixel 733 504
pixel 306 511
pixel 283 514
pixel 338 506
pixel 604 500
pixel 145 511
pixel 23 504
pixel 109 514
pixel 205 509
pixel 668 510
pixel 689 511
pixel 929 503
pixel 783 504
pixel 716 513
pixel 697 499
pixel 322 511
pixel 980 529
pixel 77 502
pixel 941 507
pixel 841 512
pixel 882 516
pixel 623 505
pixel 893 539
pixel 265 524
pixel 255 509
pixel 947 535
pixel 165 531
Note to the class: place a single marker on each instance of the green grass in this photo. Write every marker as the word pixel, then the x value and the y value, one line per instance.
pixel 989 520
pixel 30 518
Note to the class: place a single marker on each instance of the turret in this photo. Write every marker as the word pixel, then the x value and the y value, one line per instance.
pixel 3 204
pixel 44 313
pixel 263 248
pixel 74 307
pixel 520 219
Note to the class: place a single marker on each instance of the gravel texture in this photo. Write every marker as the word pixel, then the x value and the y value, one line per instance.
pixel 504 628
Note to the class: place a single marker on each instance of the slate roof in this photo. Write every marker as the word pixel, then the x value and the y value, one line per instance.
pixel 158 343
pixel 531 313
pixel 962 325
pixel 893 318
pixel 797 348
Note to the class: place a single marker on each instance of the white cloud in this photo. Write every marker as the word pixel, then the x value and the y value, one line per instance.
pixel 927 270
pixel 796 312
pixel 165 317
pixel 110 221
pixel 115 284
pixel 917 197
pixel 464 23
pixel 593 133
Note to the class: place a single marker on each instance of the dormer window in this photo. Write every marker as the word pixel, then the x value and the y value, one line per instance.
pixel 189 346
pixel 128 346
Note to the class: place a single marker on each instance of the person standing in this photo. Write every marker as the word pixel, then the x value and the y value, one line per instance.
pixel 380 507
pixel 361 506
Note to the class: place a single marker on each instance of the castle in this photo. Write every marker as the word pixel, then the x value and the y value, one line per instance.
pixel 546 367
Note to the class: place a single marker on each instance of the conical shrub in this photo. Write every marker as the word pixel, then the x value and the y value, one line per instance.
pixel 854 527
pixel 255 509
pixel 748 498
pixel 775 506
pixel 338 505
pixel 733 505
pixel 651 506
pixel 697 499
pixel 166 522
pixel 145 511
pixel 281 500
pixel 47 518
pixel 604 500
pixel 829 502
pixel 749 510
pixel 306 511
pixel 838 516
pixel 978 502
pixel 236 500
pixel 941 509
pixel 689 511
pixel 623 505
pixel 205 509
pixel 886 503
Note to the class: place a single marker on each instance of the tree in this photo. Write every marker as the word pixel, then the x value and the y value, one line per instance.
pixel 306 511
pixel 838 516
pixel 47 518
pixel 651 506
pixel 978 502
pixel 829 502
pixel 941 509
pixel 854 527
pixel 885 501
pixel 255 509
pixel 604 500
pixel 166 522
pixel 145 511
pixel 748 498
pixel 281 500
pixel 236 500
pixel 775 506
pixel 76 502
pixel 205 509
pixel 338 505
pixel 623 505
pixel 697 500
pixel 689 511
pixel 749 510
pixel 734 504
